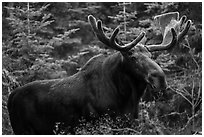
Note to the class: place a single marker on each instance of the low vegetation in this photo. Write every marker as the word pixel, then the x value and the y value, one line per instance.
pixel 38 45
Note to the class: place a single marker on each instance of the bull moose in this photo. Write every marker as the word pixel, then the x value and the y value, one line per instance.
pixel 105 84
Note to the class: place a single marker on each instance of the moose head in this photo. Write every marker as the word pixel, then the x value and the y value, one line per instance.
pixel 137 57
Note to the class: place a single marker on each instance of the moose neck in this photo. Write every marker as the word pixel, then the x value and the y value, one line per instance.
pixel 116 68
pixel 112 63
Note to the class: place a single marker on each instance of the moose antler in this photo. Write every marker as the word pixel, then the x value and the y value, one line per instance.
pixel 98 30
pixel 167 22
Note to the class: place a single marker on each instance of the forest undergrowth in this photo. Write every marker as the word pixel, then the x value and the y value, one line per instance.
pixel 42 42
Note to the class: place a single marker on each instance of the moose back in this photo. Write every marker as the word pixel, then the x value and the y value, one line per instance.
pixel 110 84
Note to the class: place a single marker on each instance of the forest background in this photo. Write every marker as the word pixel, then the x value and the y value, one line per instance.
pixel 54 40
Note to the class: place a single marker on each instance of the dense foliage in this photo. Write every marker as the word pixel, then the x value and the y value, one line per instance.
pixel 54 40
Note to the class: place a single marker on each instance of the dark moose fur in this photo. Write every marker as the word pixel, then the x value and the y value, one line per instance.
pixel 105 84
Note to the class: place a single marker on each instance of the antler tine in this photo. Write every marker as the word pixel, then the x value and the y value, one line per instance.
pixel 134 42
pixel 97 27
pixel 184 31
pixel 98 33
pixel 110 41
pixel 167 46
pixel 182 20
pixel 128 46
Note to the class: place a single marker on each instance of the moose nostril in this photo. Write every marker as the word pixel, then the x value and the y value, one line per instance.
pixel 165 87
pixel 158 80
pixel 163 84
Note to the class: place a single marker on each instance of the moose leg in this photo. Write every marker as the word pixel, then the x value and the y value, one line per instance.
pixel 26 127
pixel 42 127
